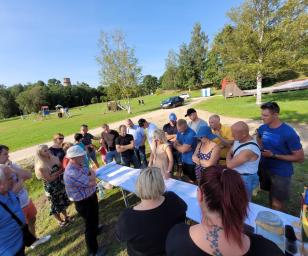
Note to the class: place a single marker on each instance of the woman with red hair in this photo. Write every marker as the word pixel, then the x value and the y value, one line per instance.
pixel 223 201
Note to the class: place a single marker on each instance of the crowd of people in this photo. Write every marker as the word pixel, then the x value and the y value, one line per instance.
pixel 226 162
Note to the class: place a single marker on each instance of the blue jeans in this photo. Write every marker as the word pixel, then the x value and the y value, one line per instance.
pixel 113 155
pixel 251 182
pixel 141 156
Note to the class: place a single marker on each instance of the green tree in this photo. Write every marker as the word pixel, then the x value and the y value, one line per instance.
pixel 8 106
pixel 149 84
pixel 214 72
pixel 168 79
pixel 264 39
pixel 32 99
pixel 119 66
pixel 198 47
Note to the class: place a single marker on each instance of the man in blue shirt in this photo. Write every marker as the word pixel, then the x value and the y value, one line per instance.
pixel 186 143
pixel 11 236
pixel 139 137
pixel 281 147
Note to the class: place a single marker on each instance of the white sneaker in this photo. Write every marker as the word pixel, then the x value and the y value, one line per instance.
pixel 42 240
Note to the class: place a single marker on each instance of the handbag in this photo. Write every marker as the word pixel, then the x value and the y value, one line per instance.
pixel 28 237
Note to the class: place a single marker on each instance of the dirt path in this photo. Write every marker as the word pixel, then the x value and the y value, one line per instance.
pixel 160 117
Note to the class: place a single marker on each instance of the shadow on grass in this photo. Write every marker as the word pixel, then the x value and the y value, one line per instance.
pixel 70 240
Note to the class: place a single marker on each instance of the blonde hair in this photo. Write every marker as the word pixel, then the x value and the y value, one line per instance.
pixel 41 163
pixel 150 184
pixel 56 136
pixel 160 135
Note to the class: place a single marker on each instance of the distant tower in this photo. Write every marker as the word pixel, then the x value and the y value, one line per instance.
pixel 66 81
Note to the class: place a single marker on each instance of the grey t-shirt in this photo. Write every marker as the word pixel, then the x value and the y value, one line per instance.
pixel 197 124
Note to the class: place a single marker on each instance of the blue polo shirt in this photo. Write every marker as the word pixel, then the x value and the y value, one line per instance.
pixel 187 137
pixel 138 134
pixel 281 141
pixel 11 237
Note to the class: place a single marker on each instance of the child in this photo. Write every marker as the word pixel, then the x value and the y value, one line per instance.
pixel 103 153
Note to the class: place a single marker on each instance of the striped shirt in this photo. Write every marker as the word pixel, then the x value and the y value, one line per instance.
pixel 76 180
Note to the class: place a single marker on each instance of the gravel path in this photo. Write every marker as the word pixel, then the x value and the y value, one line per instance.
pixel 160 117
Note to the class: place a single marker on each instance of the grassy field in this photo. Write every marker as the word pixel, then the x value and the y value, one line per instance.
pixel 294 106
pixel 70 240
pixel 18 133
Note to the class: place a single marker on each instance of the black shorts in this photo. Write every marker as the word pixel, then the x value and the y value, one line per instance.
pixel 189 170
pixel 280 187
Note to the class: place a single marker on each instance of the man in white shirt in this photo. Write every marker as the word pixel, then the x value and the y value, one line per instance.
pixel 139 137
pixel 195 122
pixel 149 129
pixel 244 156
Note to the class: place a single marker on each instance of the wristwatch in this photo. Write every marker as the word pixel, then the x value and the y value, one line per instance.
pixel 273 156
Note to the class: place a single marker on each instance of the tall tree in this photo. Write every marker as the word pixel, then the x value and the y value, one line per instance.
pixel 168 79
pixel 118 64
pixel 198 47
pixel 149 84
pixel 263 39
pixel 8 106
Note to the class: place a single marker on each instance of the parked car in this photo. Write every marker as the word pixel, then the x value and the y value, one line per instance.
pixel 184 96
pixel 172 102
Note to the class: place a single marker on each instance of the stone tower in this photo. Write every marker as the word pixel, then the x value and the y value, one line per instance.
pixel 66 81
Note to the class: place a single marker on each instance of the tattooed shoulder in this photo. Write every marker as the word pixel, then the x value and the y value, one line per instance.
pixel 212 237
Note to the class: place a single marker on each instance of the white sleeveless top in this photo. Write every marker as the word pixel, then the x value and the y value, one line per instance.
pixel 250 167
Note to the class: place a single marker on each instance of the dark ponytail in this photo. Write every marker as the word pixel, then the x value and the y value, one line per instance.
pixel 225 193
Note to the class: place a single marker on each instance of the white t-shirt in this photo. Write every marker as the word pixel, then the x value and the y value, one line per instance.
pixel 23 193
pixel 197 124
pixel 150 133
pixel 250 167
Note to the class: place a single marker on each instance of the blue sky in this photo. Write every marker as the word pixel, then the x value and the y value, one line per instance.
pixel 59 38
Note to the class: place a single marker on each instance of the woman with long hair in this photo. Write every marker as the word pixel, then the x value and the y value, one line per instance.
pixel 49 169
pixel 207 152
pixel 161 155
pixel 223 201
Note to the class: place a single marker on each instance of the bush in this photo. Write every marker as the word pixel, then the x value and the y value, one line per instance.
pixel 159 91
pixel 94 100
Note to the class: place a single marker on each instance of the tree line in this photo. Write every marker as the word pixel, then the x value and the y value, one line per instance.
pixel 265 42
pixel 24 99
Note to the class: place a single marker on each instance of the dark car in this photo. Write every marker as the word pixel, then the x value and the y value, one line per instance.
pixel 172 102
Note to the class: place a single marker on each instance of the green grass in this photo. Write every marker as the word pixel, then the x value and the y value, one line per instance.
pixel 18 133
pixel 70 240
pixel 294 106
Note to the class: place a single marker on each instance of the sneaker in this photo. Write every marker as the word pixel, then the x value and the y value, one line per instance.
pixel 41 240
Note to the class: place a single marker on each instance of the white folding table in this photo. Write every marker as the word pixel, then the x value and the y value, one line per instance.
pixel 125 178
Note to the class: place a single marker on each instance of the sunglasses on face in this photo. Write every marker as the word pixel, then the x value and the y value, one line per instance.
pixel 61 138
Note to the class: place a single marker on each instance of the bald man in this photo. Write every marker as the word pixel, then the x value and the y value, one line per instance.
pixel 224 139
pixel 244 156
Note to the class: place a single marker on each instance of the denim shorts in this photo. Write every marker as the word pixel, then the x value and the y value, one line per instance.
pixel 251 181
